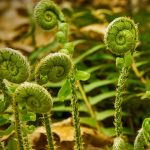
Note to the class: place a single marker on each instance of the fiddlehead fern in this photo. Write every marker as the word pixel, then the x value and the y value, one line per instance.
pixel 38 100
pixel 143 137
pixel 146 130
pixel 34 97
pixel 121 36
pixel 47 14
pixel 13 66
pixel 139 141
pixel 54 68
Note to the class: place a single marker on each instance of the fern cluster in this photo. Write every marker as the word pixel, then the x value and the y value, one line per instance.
pixel 27 94
pixel 31 96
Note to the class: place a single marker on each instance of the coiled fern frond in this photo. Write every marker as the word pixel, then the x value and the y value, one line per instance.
pixel 34 97
pixel 121 36
pixel 54 68
pixel 47 14
pixel 13 66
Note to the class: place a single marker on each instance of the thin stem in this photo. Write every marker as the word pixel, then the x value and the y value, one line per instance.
pixel 137 72
pixel 119 98
pixel 75 113
pixel 26 142
pixel 7 98
pixel 86 100
pixel 139 141
pixel 47 122
pixel 18 126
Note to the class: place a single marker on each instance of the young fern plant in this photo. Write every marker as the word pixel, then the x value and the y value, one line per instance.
pixel 48 15
pixel 54 68
pixel 58 66
pixel 14 68
pixel 120 38
pixel 36 99
pixel 143 137
pixel 72 83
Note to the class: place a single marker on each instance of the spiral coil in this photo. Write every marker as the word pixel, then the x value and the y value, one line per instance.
pixel 54 68
pixel 47 14
pixel 13 66
pixel 121 36
pixel 34 97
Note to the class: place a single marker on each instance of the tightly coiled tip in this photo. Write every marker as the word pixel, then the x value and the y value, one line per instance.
pixel 54 68
pixel 47 14
pixel 121 36
pixel 34 97
pixel 13 66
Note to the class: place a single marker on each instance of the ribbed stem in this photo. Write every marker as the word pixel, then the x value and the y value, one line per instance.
pixel 26 142
pixel 139 141
pixel 18 126
pixel 75 113
pixel 47 122
pixel 119 98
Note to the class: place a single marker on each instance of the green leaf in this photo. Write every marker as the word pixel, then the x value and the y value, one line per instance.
pixel 4 120
pixel 148 94
pixel 111 131
pixel 119 62
pixel 108 113
pixel 82 75
pixel 100 97
pixel 64 91
pixel 104 114
pixel 88 52
pixel 88 121
pixel 63 108
pixel 7 131
pixel 141 63
pixel 12 144
pixel 148 85
pixel 96 84
pixel 128 59
pixel 29 116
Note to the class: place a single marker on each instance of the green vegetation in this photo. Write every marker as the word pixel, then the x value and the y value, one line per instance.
pixel 88 63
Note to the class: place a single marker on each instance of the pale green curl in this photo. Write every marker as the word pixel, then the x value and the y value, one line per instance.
pixel 54 68
pixel 13 66
pixel 121 36
pixel 143 137
pixel 47 14
pixel 34 97
pixel 146 130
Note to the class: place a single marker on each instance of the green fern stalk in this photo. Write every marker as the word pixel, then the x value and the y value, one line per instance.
pixel 121 38
pixel 18 126
pixel 75 112
pixel 119 98
pixel 47 122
